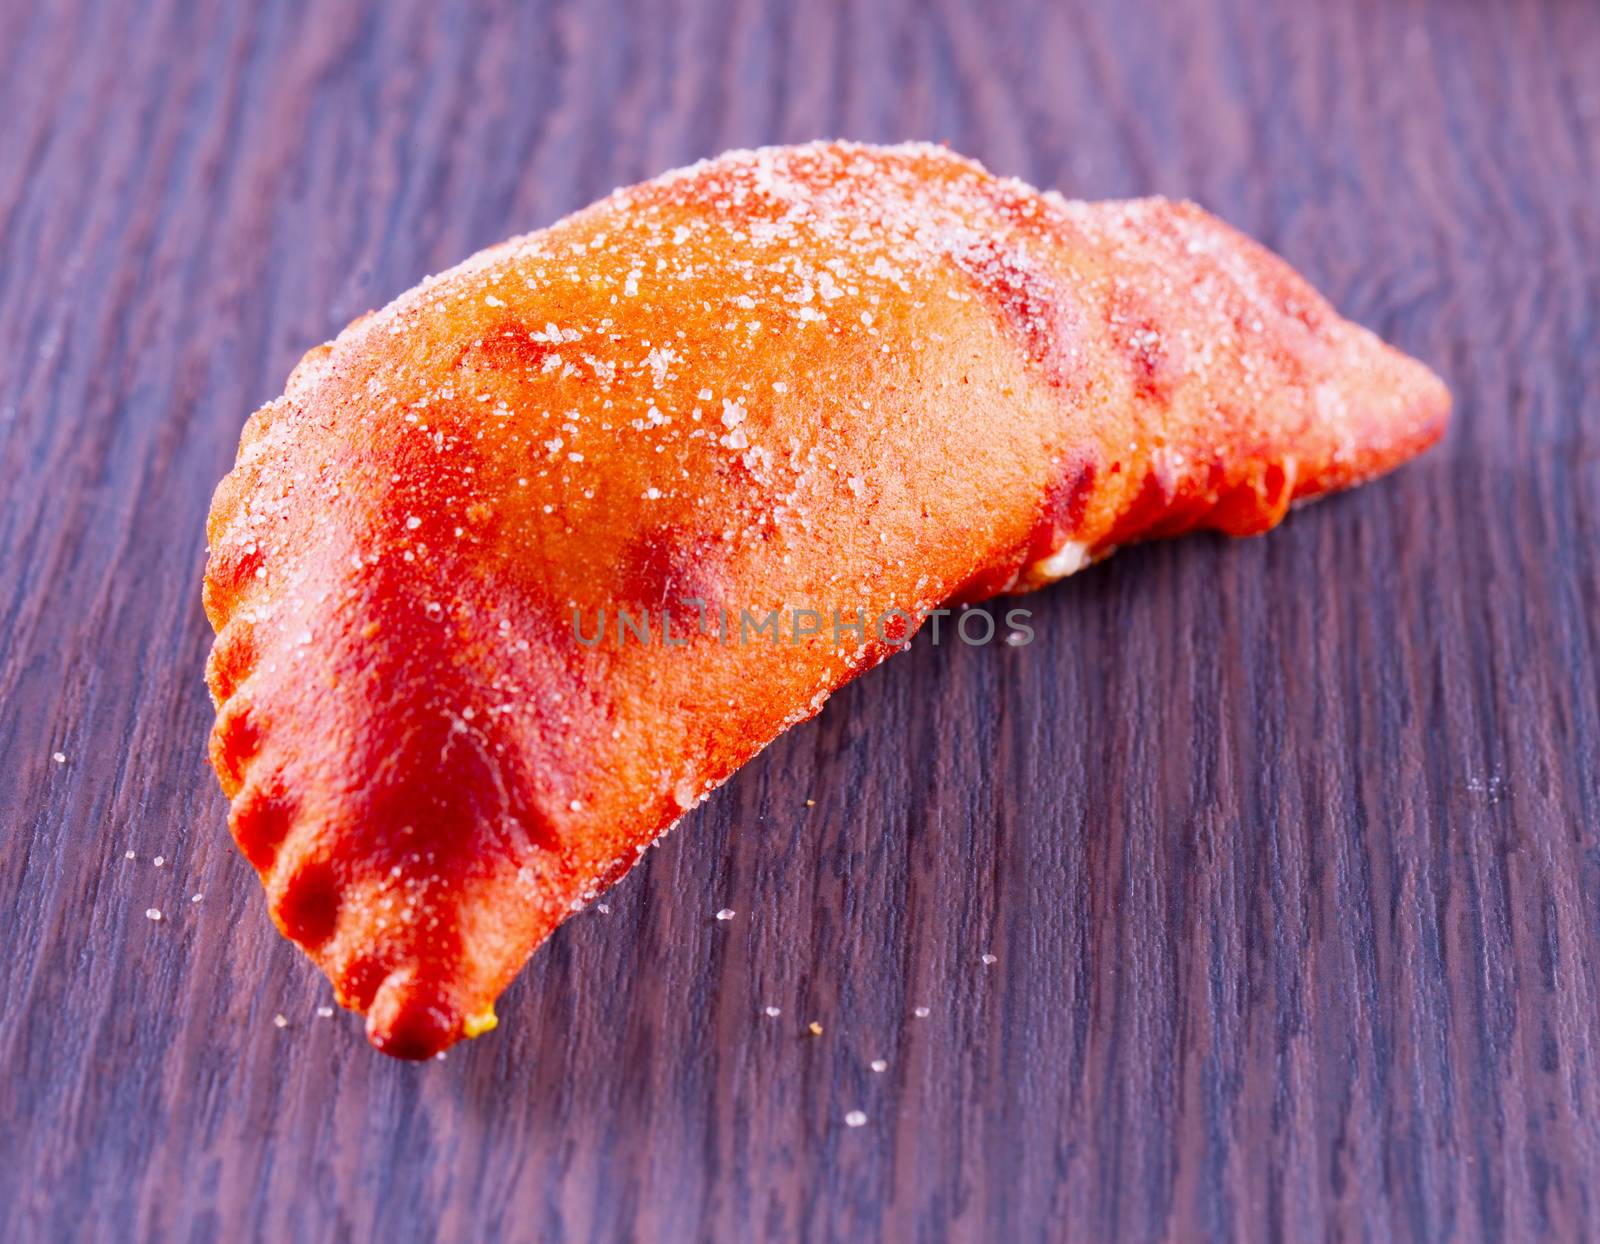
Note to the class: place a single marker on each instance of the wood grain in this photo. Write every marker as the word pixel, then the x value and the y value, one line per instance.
pixel 1288 850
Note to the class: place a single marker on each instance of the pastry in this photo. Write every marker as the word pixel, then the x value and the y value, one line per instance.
pixel 522 566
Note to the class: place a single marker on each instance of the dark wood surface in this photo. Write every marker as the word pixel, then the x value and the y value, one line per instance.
pixel 1286 850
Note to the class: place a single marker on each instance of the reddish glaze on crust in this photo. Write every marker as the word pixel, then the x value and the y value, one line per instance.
pixel 830 377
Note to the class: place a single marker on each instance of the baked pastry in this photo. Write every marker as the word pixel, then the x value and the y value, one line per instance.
pixel 832 378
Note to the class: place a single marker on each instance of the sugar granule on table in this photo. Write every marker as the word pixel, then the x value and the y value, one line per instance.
pixel 856 1118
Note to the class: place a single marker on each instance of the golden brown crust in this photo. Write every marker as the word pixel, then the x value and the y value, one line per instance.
pixel 834 377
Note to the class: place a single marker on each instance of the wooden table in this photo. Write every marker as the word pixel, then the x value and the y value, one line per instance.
pixel 1286 850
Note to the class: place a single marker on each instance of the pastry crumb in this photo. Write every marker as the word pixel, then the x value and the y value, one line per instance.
pixel 159 860
pixel 129 855
pixel 989 959
pixel 280 1020
pixel 921 1012
pixel 59 757
pixel 879 1064
pixel 324 1012
pixel 814 1028
pixel 726 913
pixel 773 1012
pixel 194 898
pixel 153 913
pixel 856 1118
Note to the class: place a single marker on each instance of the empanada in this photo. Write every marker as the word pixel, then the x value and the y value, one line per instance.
pixel 818 379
